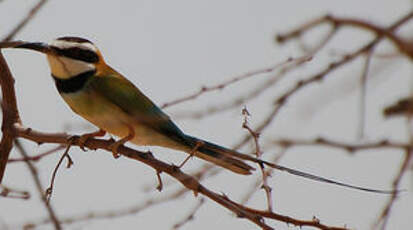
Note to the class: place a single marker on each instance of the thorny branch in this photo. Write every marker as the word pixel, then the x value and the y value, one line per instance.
pixel 14 129
pixel 11 117
pixel 280 101
pixel 186 180
pixel 265 173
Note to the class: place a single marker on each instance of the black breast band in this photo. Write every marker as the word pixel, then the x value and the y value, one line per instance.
pixel 73 84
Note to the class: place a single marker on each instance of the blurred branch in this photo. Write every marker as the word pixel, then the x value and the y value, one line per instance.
pixel 39 187
pixel 11 116
pixel 24 21
pixel 404 46
pixel 235 103
pixel 385 213
pixel 190 215
pixel 220 86
pixel 36 157
pixel 349 147
pixel 14 129
pixel 13 193
pixel 363 93
pixel 107 214
pixel 280 101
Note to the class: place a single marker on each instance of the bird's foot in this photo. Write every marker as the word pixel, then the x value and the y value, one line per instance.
pixel 115 146
pixel 85 137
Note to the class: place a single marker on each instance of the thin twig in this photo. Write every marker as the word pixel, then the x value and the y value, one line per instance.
pixel 36 157
pixel 49 190
pixel 349 147
pixel 281 100
pixel 226 83
pixel 241 100
pixel 39 187
pixel 363 93
pixel 254 188
pixel 109 214
pixel 13 193
pixel 190 215
pixel 24 21
pixel 404 46
pixel 265 174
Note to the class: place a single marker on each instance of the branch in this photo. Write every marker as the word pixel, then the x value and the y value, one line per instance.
pixel 13 193
pixel 297 62
pixel 10 114
pixel 280 101
pixel 147 158
pixel 24 21
pixel 349 147
pixel 190 216
pixel 264 173
pixel 39 187
pixel 220 86
pixel 37 157
pixel 106 214
pixel 403 46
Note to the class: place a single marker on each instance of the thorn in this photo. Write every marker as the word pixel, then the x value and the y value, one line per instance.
pixel 160 184
pixel 195 193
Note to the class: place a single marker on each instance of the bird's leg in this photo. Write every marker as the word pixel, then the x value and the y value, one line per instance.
pixel 83 138
pixel 192 152
pixel 114 147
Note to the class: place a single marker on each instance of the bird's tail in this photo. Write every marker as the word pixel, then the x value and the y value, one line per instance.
pixel 232 160
pixel 218 155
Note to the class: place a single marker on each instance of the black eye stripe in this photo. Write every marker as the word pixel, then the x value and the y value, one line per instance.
pixel 78 54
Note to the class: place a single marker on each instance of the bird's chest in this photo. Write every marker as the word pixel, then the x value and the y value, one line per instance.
pixel 99 111
pixel 108 116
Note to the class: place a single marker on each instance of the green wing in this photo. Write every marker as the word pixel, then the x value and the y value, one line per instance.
pixel 130 99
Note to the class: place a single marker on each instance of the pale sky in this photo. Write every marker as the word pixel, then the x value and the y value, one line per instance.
pixel 170 49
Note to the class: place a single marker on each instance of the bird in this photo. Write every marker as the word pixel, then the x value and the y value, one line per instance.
pixel 107 99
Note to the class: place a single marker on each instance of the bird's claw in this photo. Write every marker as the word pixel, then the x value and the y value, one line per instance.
pixel 85 137
pixel 82 141
pixel 114 148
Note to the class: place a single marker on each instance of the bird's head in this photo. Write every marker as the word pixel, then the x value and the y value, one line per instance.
pixel 69 56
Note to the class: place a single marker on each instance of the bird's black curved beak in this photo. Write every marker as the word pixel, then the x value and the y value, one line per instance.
pixel 38 46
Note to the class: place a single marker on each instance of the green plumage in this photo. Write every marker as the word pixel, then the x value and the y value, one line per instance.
pixel 113 103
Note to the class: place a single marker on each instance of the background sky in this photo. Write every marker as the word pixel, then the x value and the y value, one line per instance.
pixel 170 49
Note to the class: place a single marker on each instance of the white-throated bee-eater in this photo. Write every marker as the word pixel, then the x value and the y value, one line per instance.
pixel 107 99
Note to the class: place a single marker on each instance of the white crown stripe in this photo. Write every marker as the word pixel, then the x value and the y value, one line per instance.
pixel 66 45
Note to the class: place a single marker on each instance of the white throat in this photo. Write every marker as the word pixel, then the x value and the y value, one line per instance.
pixel 64 68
